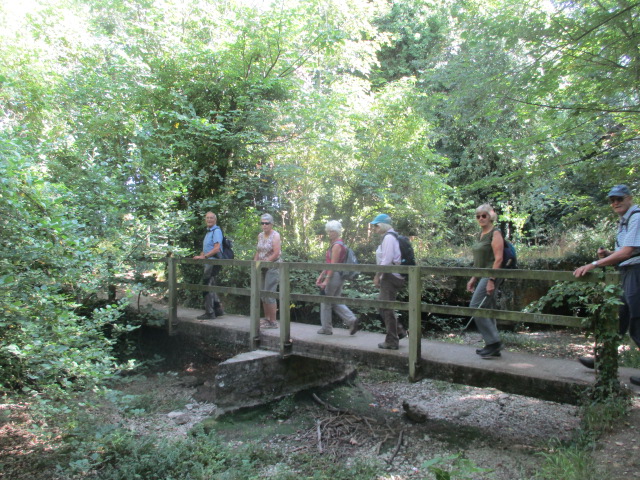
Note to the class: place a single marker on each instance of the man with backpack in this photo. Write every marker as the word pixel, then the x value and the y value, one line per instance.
pixel 388 253
pixel 626 258
pixel 211 247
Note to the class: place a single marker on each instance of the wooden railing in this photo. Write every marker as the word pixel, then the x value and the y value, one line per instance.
pixel 414 305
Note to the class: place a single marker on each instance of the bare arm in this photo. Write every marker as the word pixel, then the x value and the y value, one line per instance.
pixel 276 248
pixel 209 254
pixel 497 244
pixel 614 258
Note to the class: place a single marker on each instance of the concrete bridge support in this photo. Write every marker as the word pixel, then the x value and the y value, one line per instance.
pixel 258 377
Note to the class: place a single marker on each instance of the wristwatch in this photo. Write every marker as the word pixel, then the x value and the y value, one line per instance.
pixel 594 263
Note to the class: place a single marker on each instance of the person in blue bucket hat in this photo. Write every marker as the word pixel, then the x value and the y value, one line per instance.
pixel 626 258
pixel 388 253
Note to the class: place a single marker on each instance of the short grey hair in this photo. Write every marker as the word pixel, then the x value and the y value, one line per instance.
pixel 385 227
pixel 488 209
pixel 267 218
pixel 333 226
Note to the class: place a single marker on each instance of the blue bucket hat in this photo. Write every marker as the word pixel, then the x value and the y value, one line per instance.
pixel 382 218
pixel 619 191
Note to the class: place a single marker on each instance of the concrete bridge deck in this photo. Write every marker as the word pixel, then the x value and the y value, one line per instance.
pixel 520 373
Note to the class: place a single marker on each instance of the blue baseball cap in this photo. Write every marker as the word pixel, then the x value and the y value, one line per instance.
pixel 619 191
pixel 382 218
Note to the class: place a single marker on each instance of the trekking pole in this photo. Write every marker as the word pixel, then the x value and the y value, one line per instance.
pixel 471 319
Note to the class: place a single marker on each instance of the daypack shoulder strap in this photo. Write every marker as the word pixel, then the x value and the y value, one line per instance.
pixel 343 257
pixel 625 223
pixel 394 234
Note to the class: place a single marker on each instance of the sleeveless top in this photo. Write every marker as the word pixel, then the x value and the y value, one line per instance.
pixel 343 252
pixel 483 256
pixel 265 246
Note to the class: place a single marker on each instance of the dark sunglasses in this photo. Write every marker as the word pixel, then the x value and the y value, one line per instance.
pixel 265 223
pixel 482 215
pixel 615 199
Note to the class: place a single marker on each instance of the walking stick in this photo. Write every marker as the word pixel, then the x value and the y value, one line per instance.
pixel 471 319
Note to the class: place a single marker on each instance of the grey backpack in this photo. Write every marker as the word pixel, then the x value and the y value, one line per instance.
pixel 352 260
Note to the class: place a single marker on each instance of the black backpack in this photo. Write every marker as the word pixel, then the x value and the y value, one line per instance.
pixel 227 248
pixel 407 255
pixel 509 255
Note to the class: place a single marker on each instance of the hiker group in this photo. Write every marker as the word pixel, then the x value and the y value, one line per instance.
pixel 490 251
pixel 394 249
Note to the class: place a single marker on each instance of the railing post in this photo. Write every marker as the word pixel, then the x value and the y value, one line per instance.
pixel 173 294
pixel 607 339
pixel 415 323
pixel 254 320
pixel 285 311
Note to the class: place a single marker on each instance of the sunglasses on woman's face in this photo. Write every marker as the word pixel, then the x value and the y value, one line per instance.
pixel 481 215
pixel 265 223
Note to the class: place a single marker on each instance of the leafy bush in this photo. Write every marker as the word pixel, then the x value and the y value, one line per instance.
pixel 48 267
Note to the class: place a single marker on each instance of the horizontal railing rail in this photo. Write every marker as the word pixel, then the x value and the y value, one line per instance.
pixel 414 305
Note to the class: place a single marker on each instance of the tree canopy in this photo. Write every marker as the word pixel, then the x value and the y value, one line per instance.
pixel 123 121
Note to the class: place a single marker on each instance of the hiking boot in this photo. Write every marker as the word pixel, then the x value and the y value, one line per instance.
pixel 218 309
pixel 206 316
pixel 491 350
pixel 325 331
pixel 589 362
pixel 355 326
pixel 480 351
pixel 388 346
pixel 635 380
pixel 402 335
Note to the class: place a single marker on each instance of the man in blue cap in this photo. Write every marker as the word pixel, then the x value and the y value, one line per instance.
pixel 388 253
pixel 626 257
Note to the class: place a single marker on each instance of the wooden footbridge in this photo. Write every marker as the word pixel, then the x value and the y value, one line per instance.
pixel 531 375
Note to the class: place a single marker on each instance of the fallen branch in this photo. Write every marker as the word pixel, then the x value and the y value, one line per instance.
pixel 326 405
pixel 398 445
pixel 380 444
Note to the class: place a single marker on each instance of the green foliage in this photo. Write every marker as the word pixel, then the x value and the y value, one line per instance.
pixel 120 454
pixel 574 460
pixel 315 467
pixel 48 266
pixel 284 407
pixel 598 302
pixel 603 416
pixel 630 356
pixel 123 122
pixel 453 467
pixel 569 463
